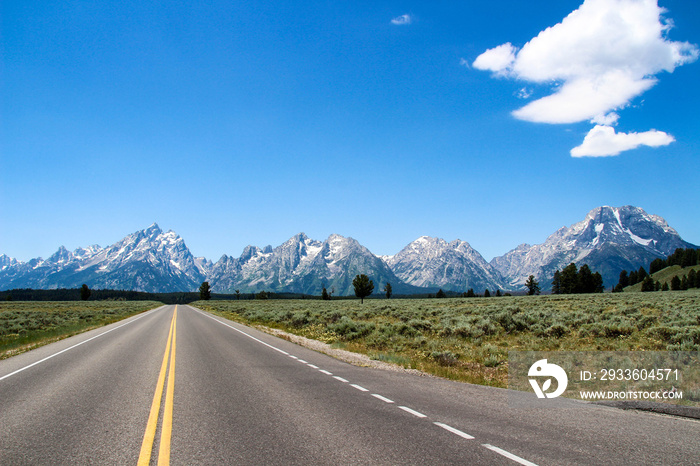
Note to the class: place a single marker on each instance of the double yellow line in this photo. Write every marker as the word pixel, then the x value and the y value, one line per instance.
pixel 167 427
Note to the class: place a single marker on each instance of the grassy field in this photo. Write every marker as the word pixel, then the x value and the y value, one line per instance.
pixel 665 276
pixel 469 339
pixel 27 325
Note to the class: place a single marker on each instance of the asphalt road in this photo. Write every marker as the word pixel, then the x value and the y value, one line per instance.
pixel 233 395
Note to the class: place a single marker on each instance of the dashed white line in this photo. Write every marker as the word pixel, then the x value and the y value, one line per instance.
pixel 509 455
pixel 293 357
pixel 454 431
pixel 312 366
pixel 341 379
pixel 325 372
pixel 302 361
pixel 384 399
pixel 409 410
pixel 362 389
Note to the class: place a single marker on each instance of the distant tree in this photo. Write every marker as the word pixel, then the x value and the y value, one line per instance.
pixel 440 294
pixel 648 284
pixel 556 282
pixel 664 287
pixel 85 292
pixel 690 258
pixel 363 286
pixel 332 292
pixel 684 282
pixel 692 279
pixel 633 278
pixel 387 290
pixel 597 283
pixel 656 265
pixel 624 279
pixel 238 294
pixel 675 283
pixel 262 295
pixel 324 295
pixel 470 293
pixel 657 286
pixel 204 291
pixel 487 293
pixel 641 274
pixel 533 286
pixel 498 293
pixel 569 279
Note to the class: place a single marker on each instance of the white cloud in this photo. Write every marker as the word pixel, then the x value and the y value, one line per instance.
pixel 608 120
pixel 524 93
pixel 498 59
pixel 603 141
pixel 597 59
pixel 463 62
pixel 402 20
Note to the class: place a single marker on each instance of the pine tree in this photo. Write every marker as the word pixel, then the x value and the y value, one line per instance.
pixel 656 265
pixel 624 279
pixel 556 283
pixel 363 286
pixel 648 284
pixel 584 280
pixel 487 294
pixel 675 283
pixel 664 287
pixel 470 293
pixel 569 279
pixel 533 286
pixel 324 295
pixel 692 279
pixel 85 292
pixel 440 294
pixel 387 290
pixel 204 291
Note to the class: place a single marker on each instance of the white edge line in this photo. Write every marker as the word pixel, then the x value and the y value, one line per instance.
pixel 325 372
pixel 362 389
pixel 76 345
pixel 312 366
pixel 454 431
pixel 302 361
pixel 409 410
pixel 292 356
pixel 340 379
pixel 241 331
pixel 508 455
pixel 384 399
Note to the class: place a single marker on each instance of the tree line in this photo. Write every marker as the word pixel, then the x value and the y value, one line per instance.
pixel 572 280
pixel 682 257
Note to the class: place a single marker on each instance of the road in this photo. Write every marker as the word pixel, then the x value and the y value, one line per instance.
pixel 222 393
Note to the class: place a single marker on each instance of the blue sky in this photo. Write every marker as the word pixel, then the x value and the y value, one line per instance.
pixel 236 123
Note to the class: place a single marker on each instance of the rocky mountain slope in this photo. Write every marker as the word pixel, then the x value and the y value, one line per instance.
pixel 609 240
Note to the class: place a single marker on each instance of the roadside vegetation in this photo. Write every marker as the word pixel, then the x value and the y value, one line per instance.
pixel 27 325
pixel 469 339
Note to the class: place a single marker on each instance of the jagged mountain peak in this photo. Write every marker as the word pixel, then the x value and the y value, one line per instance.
pixel 609 239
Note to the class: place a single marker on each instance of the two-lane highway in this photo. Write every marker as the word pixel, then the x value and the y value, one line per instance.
pixel 217 392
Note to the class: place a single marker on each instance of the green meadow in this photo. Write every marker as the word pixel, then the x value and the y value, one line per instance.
pixel 25 325
pixel 468 339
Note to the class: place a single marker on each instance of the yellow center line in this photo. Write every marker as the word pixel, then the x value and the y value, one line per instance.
pixel 152 425
pixel 164 452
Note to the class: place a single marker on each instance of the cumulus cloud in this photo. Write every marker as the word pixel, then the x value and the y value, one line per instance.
pixel 599 58
pixel 402 20
pixel 603 141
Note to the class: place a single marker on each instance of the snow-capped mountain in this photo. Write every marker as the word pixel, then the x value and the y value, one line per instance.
pixel 304 265
pixel 456 266
pixel 609 240
pixel 147 260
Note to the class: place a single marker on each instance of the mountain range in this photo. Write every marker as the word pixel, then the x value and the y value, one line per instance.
pixel 609 240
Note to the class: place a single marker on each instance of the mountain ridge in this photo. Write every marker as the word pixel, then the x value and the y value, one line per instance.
pixel 609 239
